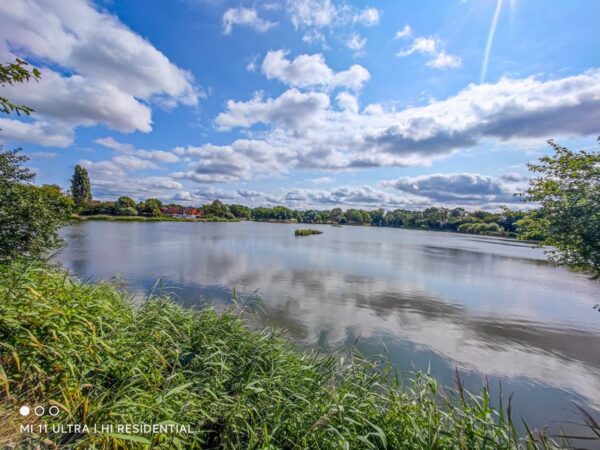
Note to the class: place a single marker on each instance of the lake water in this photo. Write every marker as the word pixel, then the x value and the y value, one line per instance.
pixel 488 307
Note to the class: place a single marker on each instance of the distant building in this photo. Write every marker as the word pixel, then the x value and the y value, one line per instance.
pixel 181 212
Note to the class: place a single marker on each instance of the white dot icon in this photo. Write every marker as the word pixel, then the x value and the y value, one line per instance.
pixel 24 410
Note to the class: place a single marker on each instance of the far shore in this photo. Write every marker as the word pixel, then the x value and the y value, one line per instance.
pixel 109 218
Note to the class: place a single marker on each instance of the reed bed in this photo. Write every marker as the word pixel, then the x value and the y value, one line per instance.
pixel 84 348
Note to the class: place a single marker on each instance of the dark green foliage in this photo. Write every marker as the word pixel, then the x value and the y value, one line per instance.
pixel 150 207
pixel 10 74
pixel 80 187
pixel 568 217
pixel 30 216
pixel 84 348
pixel 125 206
pixel 241 211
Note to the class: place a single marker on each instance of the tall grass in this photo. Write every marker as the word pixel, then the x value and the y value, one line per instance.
pixel 85 349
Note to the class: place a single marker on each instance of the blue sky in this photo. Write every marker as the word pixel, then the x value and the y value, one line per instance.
pixel 308 103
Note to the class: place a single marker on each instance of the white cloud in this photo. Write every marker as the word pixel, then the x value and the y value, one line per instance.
pixel 368 17
pixel 444 60
pixel 430 46
pixel 315 36
pixel 404 32
pixel 153 155
pixel 292 109
pixel 311 70
pixel 421 44
pixel 344 196
pixel 460 189
pixel 307 13
pixel 104 86
pixel 243 159
pixel 510 110
pixel 39 132
pixel 356 42
pixel 347 102
pixel 252 64
pixel 245 16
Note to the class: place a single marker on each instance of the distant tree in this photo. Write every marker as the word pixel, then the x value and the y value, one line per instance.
pixel 240 211
pixel 150 207
pixel 335 214
pixel 80 187
pixel 378 217
pixel 125 206
pixel 215 208
pixel 568 192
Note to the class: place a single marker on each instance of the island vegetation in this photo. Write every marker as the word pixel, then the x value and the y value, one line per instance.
pixel 85 349
pixel 307 232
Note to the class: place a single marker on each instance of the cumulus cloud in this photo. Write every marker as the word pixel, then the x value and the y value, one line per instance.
pixel 243 159
pixel 311 70
pixel 347 102
pixel 247 17
pixel 429 46
pixel 94 81
pixel 292 109
pixel 511 109
pixel 39 132
pixel 458 188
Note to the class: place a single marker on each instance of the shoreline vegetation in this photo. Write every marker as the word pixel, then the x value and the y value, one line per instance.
pixel 86 349
pixel 307 232
pixel 505 223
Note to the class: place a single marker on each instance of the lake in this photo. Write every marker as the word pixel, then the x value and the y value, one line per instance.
pixel 489 307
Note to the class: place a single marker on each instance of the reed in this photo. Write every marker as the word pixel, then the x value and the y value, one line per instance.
pixel 84 348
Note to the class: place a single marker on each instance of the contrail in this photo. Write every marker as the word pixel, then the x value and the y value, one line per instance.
pixel 490 40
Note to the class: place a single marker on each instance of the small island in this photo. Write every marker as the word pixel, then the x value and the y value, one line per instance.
pixel 307 232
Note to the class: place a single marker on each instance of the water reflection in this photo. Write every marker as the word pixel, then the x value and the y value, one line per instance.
pixel 490 307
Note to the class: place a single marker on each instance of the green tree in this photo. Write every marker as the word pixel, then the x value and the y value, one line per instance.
pixel 568 192
pixel 216 208
pixel 30 216
pixel 336 214
pixel 10 74
pixel 80 187
pixel 150 207
pixel 125 206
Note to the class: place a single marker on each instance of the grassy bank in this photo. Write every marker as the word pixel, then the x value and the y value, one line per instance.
pixel 85 349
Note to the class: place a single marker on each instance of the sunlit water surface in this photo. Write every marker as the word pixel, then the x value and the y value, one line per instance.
pixel 488 307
